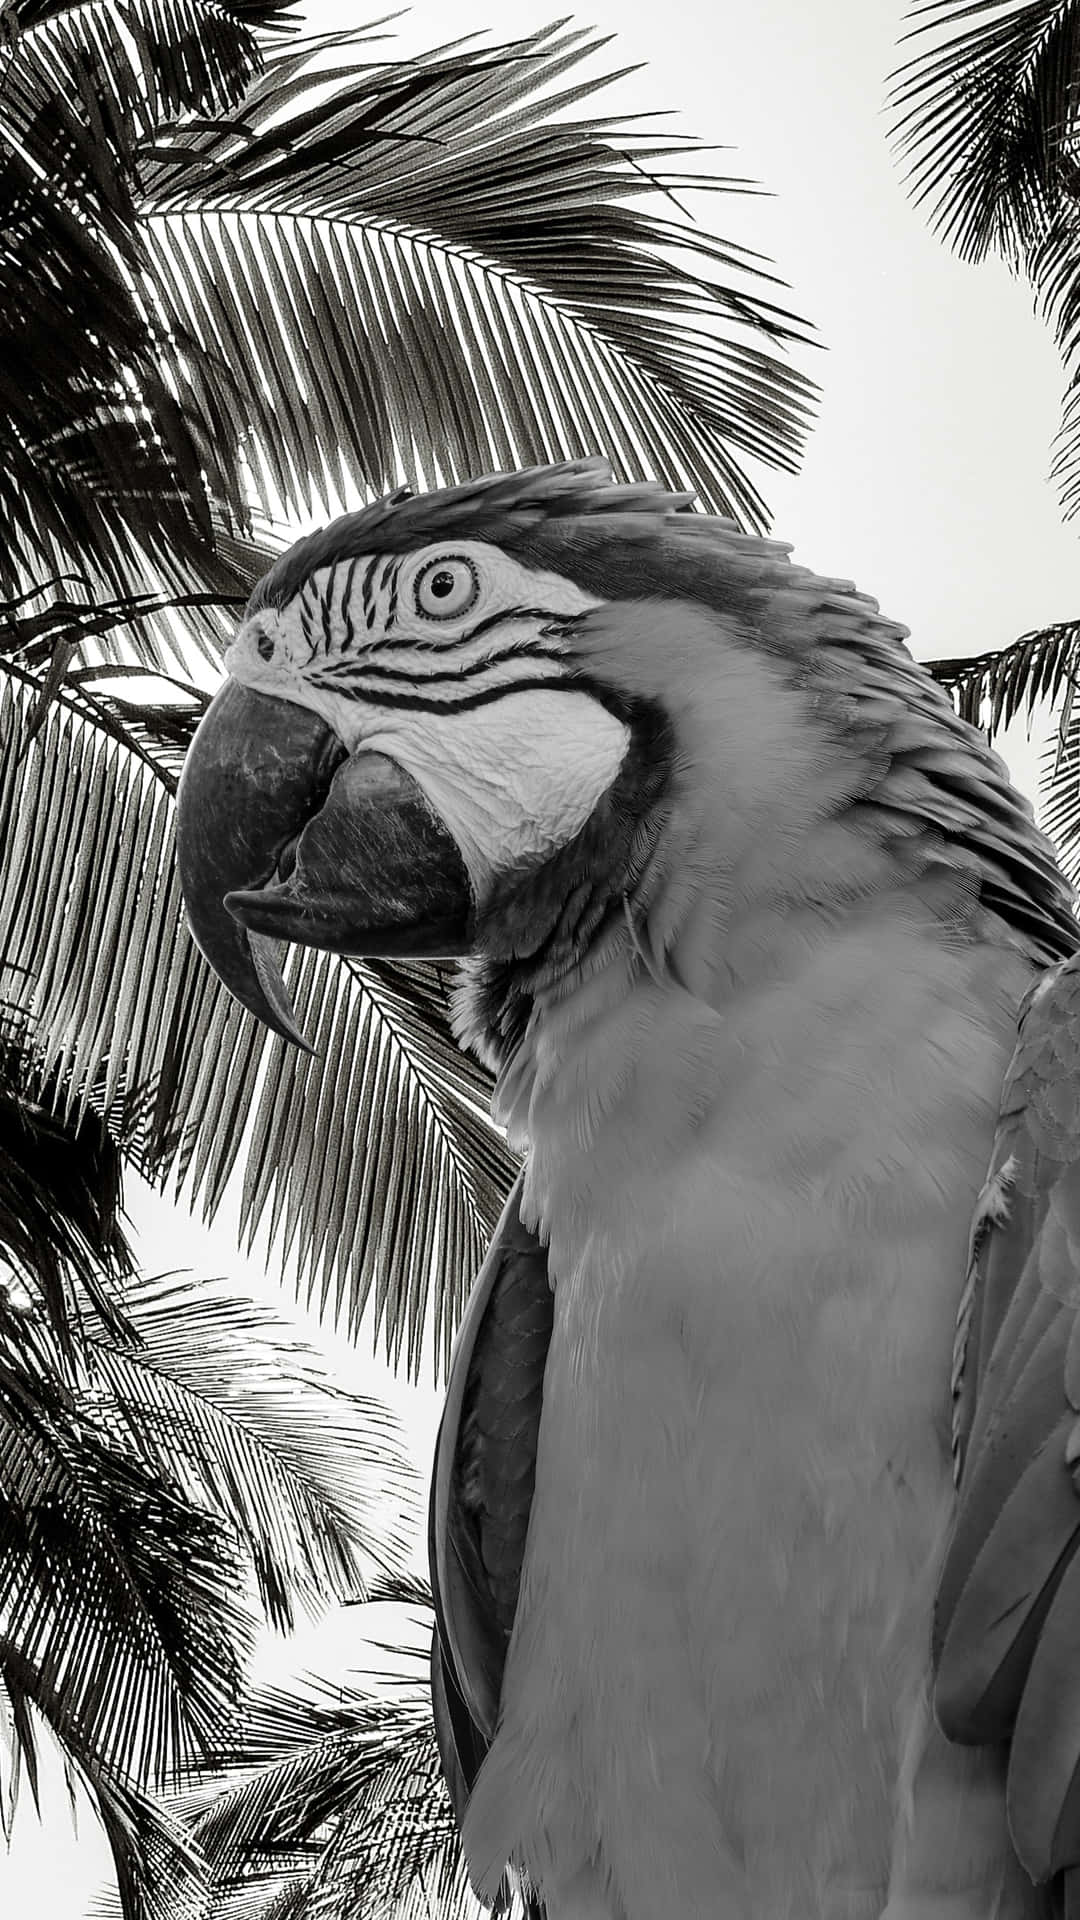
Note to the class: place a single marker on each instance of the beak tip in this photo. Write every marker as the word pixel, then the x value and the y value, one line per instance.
pixel 265 955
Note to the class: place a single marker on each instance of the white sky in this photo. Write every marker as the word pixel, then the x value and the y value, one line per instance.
pixel 925 479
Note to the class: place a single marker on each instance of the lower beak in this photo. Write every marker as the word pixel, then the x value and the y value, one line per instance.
pixel 283 836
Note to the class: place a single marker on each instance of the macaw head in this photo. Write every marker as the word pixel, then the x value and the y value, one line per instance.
pixel 408 741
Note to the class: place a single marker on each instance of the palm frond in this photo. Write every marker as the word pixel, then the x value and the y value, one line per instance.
pixel 139 1484
pixel 374 1161
pixel 60 1188
pixel 120 1598
pixel 987 113
pixel 220 1395
pixel 46 647
pixel 1059 786
pixel 990 689
pixel 431 271
pixel 337 1794
pixel 1054 268
pixel 162 58
pixel 160 1873
pixel 101 470
pixel 98 464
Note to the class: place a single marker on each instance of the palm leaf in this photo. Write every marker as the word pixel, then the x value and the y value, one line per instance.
pixel 431 271
pixel 990 689
pixel 101 471
pixel 120 1599
pixel 373 1163
pixel 989 113
pixel 46 638
pixel 298 292
pixel 59 1200
pixel 312 1478
pixel 162 58
pixel 332 1800
pixel 137 1482
pixel 1059 783
pixel 160 1873
pixel 986 112
pixel 89 434
pixel 1055 273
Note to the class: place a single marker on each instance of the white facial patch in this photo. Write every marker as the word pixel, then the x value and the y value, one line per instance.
pixel 514 780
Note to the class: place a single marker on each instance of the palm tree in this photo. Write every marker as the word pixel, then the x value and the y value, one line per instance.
pixel 988 114
pixel 299 271
pixel 153 1503
pixel 329 1799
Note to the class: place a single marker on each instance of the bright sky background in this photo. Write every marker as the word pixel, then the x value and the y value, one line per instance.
pixel 925 479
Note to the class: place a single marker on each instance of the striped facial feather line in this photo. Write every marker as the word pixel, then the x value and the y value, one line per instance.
pixel 341 674
pixel 558 623
pixel 428 703
pixel 365 663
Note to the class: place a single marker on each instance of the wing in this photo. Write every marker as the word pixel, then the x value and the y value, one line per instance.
pixel 1007 1626
pixel 481 1494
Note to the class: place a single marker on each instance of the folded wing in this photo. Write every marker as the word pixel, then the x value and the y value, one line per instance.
pixel 1007 1627
pixel 481 1495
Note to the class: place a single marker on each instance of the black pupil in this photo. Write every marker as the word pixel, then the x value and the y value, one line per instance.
pixel 442 583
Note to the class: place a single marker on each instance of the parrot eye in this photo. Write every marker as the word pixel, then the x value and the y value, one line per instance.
pixel 444 589
pixel 260 632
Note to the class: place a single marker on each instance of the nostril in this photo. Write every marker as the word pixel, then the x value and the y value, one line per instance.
pixel 265 646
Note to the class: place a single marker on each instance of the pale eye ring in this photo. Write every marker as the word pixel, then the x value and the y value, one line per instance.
pixel 446 588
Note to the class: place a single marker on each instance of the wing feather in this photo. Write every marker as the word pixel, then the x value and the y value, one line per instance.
pixel 481 1494
pixel 1045 1759
pixel 1007 1625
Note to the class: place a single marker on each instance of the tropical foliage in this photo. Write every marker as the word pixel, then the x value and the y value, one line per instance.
pixel 987 113
pixel 172 1468
pixel 329 1801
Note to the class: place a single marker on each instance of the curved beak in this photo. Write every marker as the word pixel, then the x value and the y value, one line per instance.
pixel 283 836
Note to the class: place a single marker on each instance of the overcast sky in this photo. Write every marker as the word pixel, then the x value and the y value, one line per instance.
pixel 925 480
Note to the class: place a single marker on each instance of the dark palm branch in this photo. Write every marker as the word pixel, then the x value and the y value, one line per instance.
pixel 102 476
pixel 429 269
pixel 990 689
pixel 988 112
pixel 331 1802
pixel 160 1873
pixel 59 1198
pixel 151 1490
pixel 1060 785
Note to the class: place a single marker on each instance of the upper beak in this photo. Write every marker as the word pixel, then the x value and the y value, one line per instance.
pixel 282 836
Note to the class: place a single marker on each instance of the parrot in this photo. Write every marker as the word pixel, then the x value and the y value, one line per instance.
pixel 754 1514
